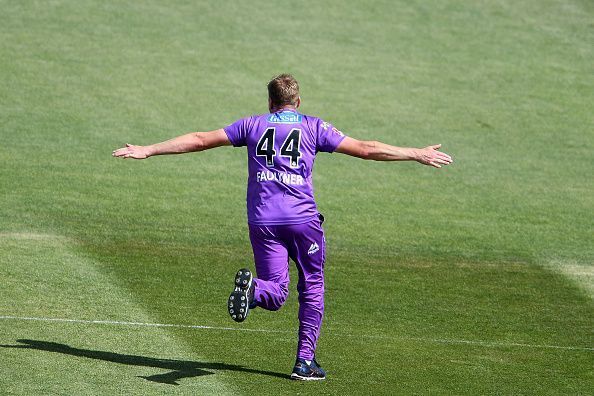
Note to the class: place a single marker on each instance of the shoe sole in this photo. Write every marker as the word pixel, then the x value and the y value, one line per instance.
pixel 238 303
pixel 298 377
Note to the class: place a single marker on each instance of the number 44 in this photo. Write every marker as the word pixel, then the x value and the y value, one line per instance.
pixel 289 148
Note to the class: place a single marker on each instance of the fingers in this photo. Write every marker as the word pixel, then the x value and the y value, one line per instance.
pixel 130 151
pixel 436 158
pixel 443 156
pixel 123 152
pixel 439 156
pixel 443 159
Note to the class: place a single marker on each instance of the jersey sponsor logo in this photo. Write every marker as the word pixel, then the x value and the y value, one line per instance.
pixel 313 249
pixel 285 118
pixel 281 177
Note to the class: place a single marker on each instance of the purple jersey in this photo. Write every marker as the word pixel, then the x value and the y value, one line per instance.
pixel 282 147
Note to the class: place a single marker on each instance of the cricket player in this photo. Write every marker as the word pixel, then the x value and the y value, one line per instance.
pixel 283 219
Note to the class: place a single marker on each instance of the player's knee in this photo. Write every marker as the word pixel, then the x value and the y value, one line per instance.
pixel 281 298
pixel 313 293
pixel 284 293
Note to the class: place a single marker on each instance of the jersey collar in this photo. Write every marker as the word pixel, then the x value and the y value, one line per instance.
pixel 286 110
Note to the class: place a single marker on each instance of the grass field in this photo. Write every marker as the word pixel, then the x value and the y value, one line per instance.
pixel 473 279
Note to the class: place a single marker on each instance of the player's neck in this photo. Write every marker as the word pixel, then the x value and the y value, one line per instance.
pixel 282 108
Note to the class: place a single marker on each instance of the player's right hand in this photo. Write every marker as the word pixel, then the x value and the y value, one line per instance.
pixel 131 151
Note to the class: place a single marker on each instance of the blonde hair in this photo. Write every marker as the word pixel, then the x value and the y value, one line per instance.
pixel 283 90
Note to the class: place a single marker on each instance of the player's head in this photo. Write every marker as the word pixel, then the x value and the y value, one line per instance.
pixel 283 90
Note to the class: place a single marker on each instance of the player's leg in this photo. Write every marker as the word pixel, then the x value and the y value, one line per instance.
pixel 272 268
pixel 307 246
pixel 311 291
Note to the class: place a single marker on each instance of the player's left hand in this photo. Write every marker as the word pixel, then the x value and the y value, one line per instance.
pixel 431 156
pixel 131 151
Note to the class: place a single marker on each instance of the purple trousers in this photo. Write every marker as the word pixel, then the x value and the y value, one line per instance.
pixel 305 244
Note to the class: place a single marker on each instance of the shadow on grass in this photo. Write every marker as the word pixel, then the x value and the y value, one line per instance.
pixel 178 368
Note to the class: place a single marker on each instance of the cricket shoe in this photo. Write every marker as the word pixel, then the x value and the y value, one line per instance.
pixel 242 298
pixel 308 372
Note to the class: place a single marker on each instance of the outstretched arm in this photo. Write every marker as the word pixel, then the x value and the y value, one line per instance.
pixel 377 151
pixel 195 141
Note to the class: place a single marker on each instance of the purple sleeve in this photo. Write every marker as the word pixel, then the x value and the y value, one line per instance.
pixel 237 132
pixel 328 137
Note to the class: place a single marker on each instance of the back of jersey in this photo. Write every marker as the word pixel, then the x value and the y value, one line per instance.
pixel 281 151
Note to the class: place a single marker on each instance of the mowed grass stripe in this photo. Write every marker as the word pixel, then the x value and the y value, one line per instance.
pixel 582 275
pixel 49 273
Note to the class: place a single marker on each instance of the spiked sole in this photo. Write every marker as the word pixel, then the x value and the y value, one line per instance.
pixel 298 377
pixel 238 304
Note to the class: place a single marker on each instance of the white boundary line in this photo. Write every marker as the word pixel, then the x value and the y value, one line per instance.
pixel 488 344
pixel 124 323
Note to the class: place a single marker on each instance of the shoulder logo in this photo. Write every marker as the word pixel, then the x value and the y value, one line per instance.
pixel 336 131
pixel 313 248
pixel 325 125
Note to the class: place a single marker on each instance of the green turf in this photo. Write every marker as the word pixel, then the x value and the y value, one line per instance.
pixel 475 279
